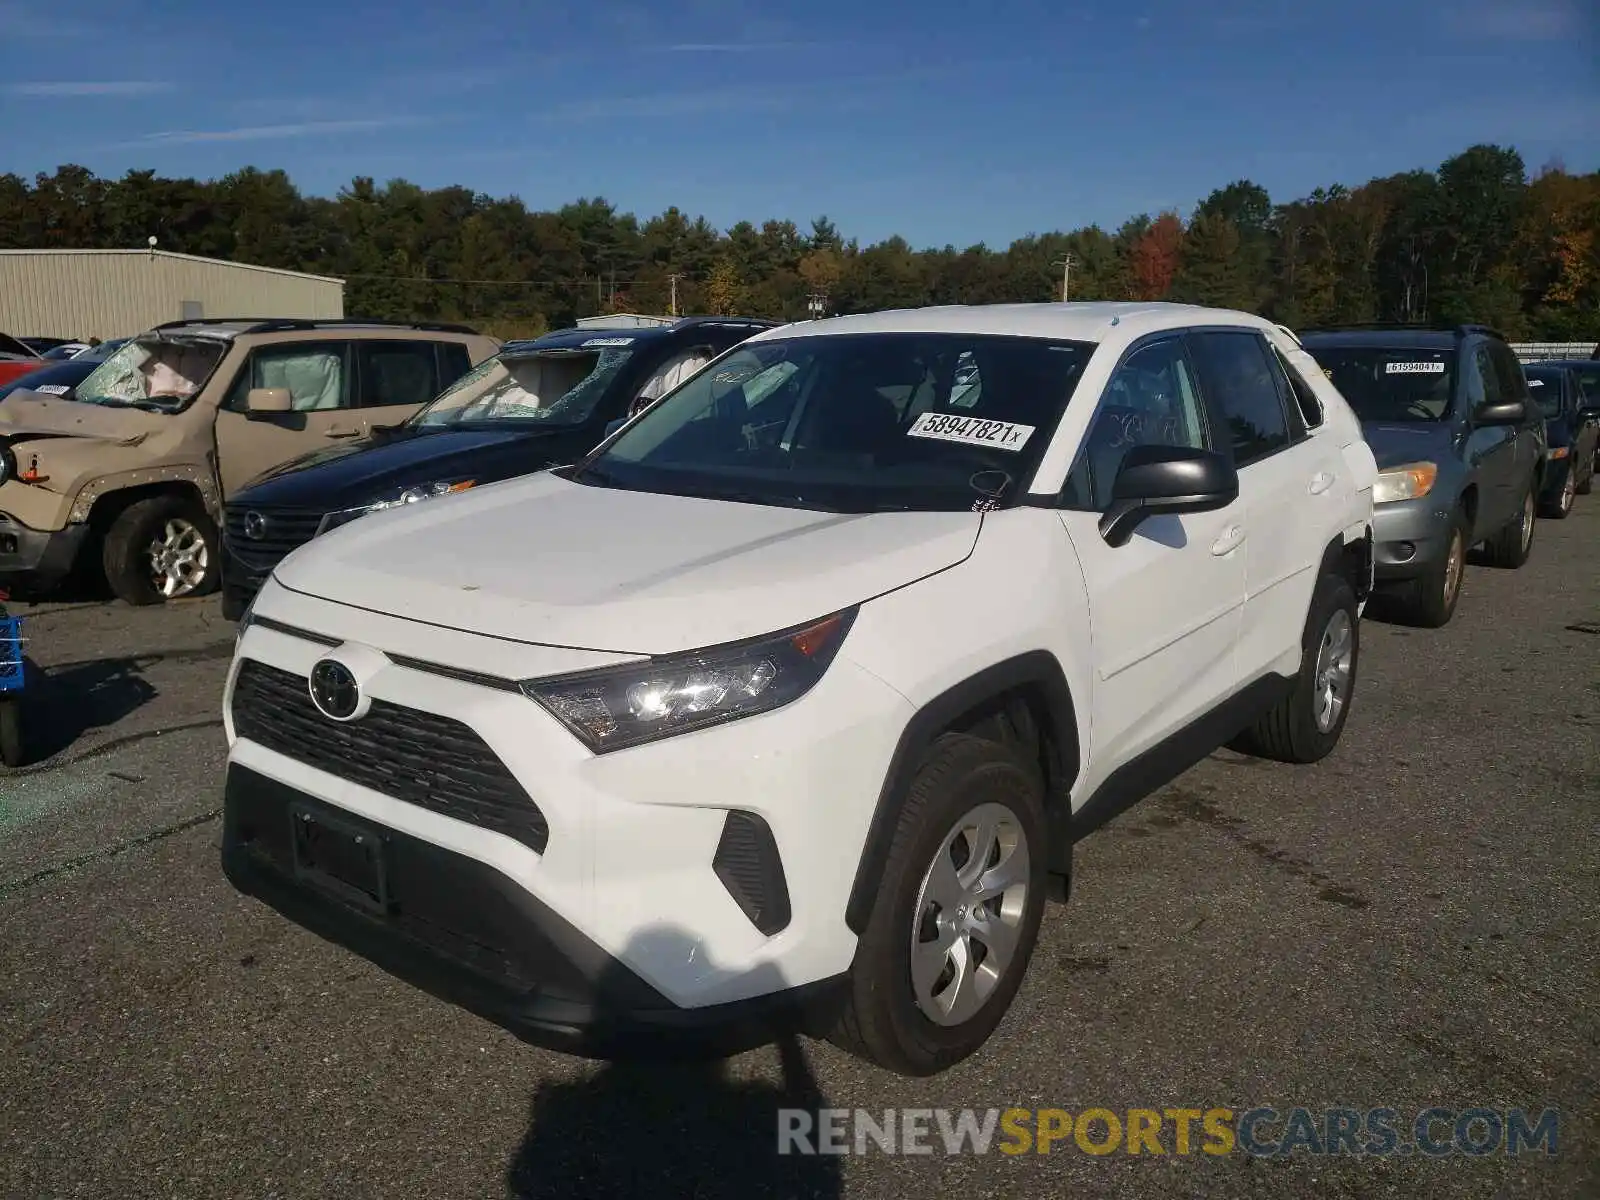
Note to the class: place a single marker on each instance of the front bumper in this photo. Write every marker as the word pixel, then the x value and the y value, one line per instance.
pixel 467 934
pixel 713 868
pixel 1410 538
pixel 240 583
pixel 37 558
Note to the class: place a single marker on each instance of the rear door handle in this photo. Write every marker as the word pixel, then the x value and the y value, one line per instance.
pixel 1232 538
pixel 342 433
pixel 1321 482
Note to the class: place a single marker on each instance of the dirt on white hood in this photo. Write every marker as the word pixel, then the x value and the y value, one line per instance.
pixel 545 561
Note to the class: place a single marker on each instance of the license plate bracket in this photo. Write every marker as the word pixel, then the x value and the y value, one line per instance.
pixel 344 857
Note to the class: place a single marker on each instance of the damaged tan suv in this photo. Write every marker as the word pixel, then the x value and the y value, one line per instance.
pixel 133 471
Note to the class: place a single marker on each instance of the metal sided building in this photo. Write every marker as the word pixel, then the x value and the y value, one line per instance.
pixel 114 293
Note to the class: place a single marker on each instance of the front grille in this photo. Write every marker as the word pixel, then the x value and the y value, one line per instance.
pixel 422 758
pixel 280 530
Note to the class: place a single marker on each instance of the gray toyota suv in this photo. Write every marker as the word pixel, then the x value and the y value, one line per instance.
pixel 1460 446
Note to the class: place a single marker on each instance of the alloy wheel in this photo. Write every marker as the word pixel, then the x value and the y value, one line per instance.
pixel 1335 660
pixel 1453 568
pixel 179 558
pixel 968 918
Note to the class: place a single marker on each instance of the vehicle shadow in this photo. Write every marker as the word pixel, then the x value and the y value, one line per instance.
pixel 66 702
pixel 661 1123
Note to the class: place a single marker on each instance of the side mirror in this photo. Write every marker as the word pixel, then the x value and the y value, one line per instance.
pixel 268 402
pixel 613 426
pixel 1505 412
pixel 1154 480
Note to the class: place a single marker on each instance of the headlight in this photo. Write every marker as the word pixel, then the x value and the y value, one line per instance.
pixel 616 707
pixel 410 495
pixel 7 463
pixel 1410 482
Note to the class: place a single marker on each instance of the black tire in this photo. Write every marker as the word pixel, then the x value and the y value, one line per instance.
pixel 1430 600
pixel 882 1021
pixel 13 747
pixel 1560 508
pixel 1586 484
pixel 1513 545
pixel 126 554
pixel 1290 732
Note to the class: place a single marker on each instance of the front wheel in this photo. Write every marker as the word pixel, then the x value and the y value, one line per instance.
pixel 1561 507
pixel 1305 725
pixel 955 923
pixel 1430 599
pixel 13 750
pixel 161 548
pixel 1511 547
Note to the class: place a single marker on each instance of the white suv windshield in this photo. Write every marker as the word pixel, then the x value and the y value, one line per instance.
pixel 854 422
pixel 556 387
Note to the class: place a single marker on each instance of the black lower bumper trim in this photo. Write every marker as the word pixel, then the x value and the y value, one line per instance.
pixel 37 558
pixel 471 936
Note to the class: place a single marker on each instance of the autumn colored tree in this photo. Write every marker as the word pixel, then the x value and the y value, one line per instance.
pixel 1154 257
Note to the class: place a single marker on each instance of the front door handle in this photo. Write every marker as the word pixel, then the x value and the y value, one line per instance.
pixel 1321 482
pixel 1232 538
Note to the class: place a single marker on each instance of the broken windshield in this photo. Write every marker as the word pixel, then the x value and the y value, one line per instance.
pixel 554 387
pixel 163 374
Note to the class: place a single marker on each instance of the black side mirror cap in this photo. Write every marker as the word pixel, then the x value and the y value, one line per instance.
pixel 1156 480
pixel 1504 412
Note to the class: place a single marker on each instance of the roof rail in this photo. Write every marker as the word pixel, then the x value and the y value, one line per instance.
pixel 279 324
pixel 686 322
pixel 1489 330
pixel 1414 326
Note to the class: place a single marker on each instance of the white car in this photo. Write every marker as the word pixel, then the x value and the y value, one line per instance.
pixel 791 711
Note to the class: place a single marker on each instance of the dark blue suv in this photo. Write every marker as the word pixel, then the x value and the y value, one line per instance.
pixel 1460 446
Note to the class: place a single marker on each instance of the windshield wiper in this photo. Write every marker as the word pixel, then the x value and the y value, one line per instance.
pixel 142 405
pixel 774 500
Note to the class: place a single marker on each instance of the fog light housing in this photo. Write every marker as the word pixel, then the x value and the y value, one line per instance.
pixel 1405 551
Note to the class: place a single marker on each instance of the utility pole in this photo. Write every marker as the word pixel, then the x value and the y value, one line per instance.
pixel 1066 264
pixel 673 279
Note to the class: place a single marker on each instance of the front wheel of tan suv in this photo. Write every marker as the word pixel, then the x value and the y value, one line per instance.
pixel 161 548
pixel 953 929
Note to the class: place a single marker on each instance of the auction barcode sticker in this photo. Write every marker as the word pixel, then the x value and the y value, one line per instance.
pixel 1001 435
pixel 1413 368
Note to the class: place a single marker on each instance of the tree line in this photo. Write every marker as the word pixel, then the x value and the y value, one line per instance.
pixel 1475 240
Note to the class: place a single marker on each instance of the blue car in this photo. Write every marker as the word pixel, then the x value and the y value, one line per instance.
pixel 1572 428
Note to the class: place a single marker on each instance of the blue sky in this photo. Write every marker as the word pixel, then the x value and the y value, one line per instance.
pixel 941 120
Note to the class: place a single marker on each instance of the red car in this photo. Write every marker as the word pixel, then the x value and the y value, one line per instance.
pixel 16 359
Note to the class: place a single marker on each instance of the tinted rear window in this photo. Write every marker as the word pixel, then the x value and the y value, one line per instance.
pixel 1546 389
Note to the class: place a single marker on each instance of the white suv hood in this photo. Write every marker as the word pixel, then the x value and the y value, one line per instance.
pixel 546 561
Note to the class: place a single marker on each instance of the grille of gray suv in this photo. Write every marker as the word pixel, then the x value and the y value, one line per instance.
pixel 422 758
pixel 263 537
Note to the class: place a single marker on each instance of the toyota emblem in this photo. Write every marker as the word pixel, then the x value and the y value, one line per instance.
pixel 255 526
pixel 334 690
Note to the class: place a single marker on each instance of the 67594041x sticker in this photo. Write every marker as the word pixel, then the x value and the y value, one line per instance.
pixel 971 431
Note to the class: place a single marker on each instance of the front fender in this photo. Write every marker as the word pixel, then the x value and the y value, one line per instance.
pixel 199 478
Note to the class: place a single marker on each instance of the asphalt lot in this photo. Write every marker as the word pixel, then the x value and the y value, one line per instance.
pixel 1410 923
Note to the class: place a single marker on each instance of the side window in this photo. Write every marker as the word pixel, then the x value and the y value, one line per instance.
pixel 396 373
pixel 678 366
pixel 1151 399
pixel 1238 379
pixel 1483 381
pixel 1513 383
pixel 1301 403
pixel 454 362
pixel 316 375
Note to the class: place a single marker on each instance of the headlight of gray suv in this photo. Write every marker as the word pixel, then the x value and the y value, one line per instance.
pixel 410 495
pixel 617 707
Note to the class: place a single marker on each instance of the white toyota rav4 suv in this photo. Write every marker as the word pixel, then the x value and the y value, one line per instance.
pixel 788 702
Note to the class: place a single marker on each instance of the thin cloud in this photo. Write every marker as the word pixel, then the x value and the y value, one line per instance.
pixel 734 47
pixel 250 133
pixel 1531 21
pixel 115 87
